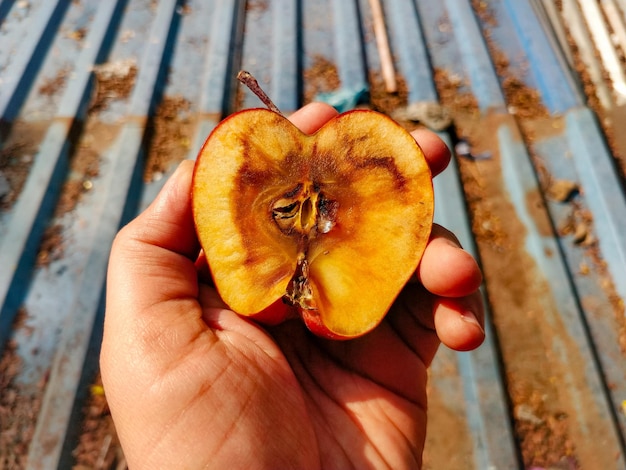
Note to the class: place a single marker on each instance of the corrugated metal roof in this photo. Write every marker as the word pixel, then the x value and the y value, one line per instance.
pixel 99 100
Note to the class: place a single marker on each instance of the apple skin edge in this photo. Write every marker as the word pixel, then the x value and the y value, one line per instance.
pixel 253 261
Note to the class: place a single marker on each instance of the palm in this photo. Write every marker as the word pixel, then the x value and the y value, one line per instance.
pixel 313 402
pixel 365 398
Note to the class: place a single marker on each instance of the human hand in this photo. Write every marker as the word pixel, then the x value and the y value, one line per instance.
pixel 190 384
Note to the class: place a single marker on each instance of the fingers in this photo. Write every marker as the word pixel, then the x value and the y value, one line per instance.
pixel 314 115
pixel 435 150
pixel 446 269
pixel 459 322
pixel 454 277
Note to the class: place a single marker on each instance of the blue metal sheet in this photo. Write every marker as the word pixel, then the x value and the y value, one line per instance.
pixel 47 445
pixel 31 213
pixel 26 48
pixel 5 7
pixel 475 55
pixel 221 57
pixel 287 44
pixel 556 152
pixel 548 67
pixel 479 72
pixel 520 181
pixel 407 39
pixel 349 45
pixel 480 371
pixel 211 90
pixel 602 188
pixel 576 151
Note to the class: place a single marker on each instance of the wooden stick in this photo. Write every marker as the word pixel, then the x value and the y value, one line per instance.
pixel 608 55
pixel 384 51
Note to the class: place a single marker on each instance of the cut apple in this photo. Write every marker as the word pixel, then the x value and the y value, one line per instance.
pixel 330 225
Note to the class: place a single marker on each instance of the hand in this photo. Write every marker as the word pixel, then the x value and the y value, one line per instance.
pixel 190 384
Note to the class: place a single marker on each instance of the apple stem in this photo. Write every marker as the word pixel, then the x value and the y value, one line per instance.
pixel 248 80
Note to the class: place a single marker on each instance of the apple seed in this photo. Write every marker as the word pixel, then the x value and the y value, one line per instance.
pixel 304 211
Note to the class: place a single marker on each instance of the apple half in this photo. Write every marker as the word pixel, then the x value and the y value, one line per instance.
pixel 330 225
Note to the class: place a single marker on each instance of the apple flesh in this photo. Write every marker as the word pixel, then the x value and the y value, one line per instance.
pixel 330 225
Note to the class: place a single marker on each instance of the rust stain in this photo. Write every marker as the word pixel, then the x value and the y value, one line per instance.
pixel 536 207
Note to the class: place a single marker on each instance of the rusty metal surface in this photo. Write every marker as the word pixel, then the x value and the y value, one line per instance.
pixel 84 86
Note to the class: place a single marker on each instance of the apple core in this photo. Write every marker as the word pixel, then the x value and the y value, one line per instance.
pixel 303 213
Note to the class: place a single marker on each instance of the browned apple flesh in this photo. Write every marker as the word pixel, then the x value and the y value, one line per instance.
pixel 334 223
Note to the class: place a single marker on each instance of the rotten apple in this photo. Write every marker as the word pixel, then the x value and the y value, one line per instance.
pixel 330 225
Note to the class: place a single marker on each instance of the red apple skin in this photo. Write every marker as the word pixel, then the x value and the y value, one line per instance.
pixel 314 324
pixel 275 314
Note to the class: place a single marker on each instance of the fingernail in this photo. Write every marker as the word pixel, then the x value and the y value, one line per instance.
pixel 469 317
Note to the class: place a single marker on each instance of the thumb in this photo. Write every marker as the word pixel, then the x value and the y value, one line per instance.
pixel 151 267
